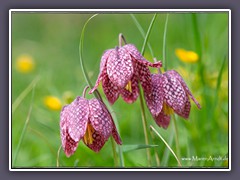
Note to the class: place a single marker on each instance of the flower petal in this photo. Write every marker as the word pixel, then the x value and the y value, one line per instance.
pixel 154 100
pixel 180 79
pixel 103 69
pixel 78 114
pixel 144 76
pixel 134 51
pixel 110 90
pixel 174 93
pixel 116 135
pixel 63 125
pixel 137 56
pixel 100 118
pixel 119 67
pixel 98 142
pixel 163 120
pixel 131 96
pixel 186 111
pixel 68 144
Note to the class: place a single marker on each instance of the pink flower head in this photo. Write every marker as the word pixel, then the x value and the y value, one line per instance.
pixel 120 70
pixel 88 120
pixel 169 94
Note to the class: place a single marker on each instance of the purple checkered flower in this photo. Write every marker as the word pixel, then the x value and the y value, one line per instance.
pixel 120 70
pixel 87 120
pixel 169 94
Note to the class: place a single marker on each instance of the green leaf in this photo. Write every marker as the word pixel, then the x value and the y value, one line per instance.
pixel 148 33
pixel 164 43
pixel 127 148
pixel 142 33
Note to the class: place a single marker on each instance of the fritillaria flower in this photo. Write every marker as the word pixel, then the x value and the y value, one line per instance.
pixel 120 70
pixel 169 94
pixel 87 120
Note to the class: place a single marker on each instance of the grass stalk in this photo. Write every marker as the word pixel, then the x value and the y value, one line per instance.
pixel 155 131
pixel 148 33
pixel 165 44
pixel 25 92
pixel 24 127
pixel 142 33
pixel 58 155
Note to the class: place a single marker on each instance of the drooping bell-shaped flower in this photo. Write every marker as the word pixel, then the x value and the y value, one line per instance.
pixel 169 94
pixel 120 70
pixel 87 120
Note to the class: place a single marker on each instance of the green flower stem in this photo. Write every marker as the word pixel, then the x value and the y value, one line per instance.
pixel 97 95
pixel 114 152
pixel 120 152
pixel 155 152
pixel 120 39
pixel 176 138
pixel 81 56
pixel 144 122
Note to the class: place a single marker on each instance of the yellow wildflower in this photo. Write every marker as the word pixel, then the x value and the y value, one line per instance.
pixel 25 63
pixel 186 56
pixel 53 103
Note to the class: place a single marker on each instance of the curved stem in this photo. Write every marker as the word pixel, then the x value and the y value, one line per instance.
pixel 120 38
pixel 81 56
pixel 84 91
pixel 95 93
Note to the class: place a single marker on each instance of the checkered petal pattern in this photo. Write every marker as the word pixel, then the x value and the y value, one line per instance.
pixel 169 89
pixel 130 96
pixel 120 66
pixel 74 119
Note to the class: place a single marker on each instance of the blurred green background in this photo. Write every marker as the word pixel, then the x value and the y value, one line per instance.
pixel 50 43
